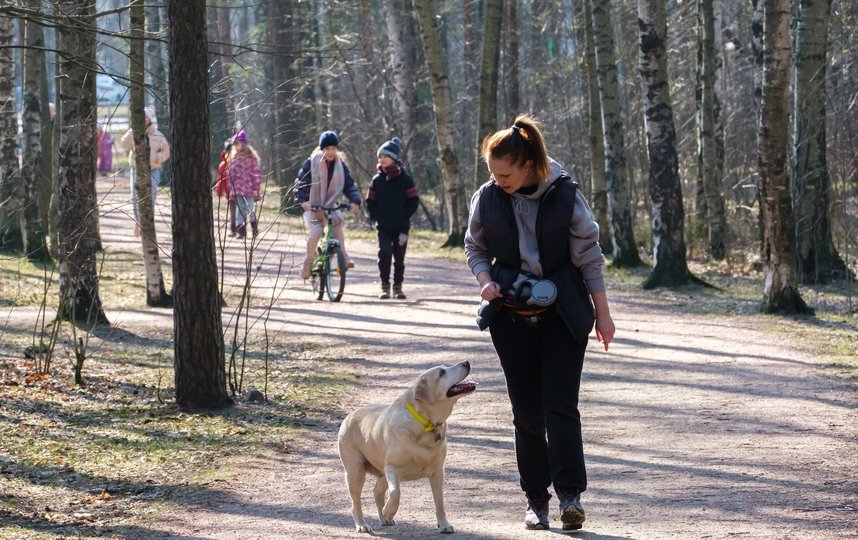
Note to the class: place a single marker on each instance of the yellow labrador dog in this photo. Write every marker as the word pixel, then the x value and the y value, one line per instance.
pixel 403 441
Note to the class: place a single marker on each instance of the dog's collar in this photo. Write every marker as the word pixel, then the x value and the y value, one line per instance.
pixel 428 426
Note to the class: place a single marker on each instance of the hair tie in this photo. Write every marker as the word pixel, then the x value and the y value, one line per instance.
pixel 517 130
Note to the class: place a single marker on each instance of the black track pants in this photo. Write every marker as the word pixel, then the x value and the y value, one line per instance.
pixel 542 367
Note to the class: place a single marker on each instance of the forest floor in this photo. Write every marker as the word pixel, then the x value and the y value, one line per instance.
pixel 703 420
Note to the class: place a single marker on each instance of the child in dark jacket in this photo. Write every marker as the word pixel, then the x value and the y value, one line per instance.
pixel 391 201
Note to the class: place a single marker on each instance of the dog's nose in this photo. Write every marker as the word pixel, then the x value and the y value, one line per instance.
pixel 467 365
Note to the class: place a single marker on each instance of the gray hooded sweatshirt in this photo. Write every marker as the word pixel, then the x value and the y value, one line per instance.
pixel 585 251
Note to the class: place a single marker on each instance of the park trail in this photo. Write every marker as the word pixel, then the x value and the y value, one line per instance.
pixel 695 426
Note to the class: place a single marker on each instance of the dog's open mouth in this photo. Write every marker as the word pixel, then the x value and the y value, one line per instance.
pixel 461 388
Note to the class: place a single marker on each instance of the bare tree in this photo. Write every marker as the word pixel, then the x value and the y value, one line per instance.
pixel 200 372
pixel 77 226
pixel 397 15
pixel 35 222
pixel 156 294
pixel 158 87
pixel 455 201
pixel 513 99
pixel 668 213
pixel 818 260
pixel 11 186
pixel 616 176
pixel 489 79
pixel 710 179
pixel 599 197
pixel 781 286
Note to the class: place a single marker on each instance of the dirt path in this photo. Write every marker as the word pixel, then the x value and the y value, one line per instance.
pixel 694 426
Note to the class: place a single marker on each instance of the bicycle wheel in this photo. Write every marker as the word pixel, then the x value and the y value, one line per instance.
pixel 318 276
pixel 336 283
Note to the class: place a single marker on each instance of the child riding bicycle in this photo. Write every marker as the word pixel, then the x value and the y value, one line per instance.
pixel 323 179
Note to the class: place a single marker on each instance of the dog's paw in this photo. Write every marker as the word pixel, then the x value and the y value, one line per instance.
pixel 363 528
pixel 445 528
pixel 388 521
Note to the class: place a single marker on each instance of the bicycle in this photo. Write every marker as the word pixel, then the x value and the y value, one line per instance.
pixel 328 272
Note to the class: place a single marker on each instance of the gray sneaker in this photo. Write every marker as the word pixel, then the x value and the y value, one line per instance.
pixel 536 515
pixel 571 511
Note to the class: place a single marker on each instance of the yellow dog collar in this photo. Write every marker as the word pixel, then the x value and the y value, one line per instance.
pixel 429 426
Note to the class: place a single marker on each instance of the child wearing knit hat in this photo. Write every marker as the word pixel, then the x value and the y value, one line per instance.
pixel 391 200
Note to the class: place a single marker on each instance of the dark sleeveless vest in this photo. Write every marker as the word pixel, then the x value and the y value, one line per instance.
pixel 553 219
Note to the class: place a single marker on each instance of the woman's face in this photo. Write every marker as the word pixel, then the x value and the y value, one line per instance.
pixel 510 177
pixel 329 153
pixel 239 146
pixel 385 161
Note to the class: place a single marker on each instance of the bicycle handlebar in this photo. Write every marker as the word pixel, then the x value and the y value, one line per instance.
pixel 341 206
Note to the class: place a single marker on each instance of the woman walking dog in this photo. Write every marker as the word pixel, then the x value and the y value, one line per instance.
pixel 532 220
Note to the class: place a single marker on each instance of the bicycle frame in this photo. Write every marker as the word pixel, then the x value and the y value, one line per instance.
pixel 328 272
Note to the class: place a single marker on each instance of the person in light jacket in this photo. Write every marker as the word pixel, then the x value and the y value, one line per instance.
pixel 159 152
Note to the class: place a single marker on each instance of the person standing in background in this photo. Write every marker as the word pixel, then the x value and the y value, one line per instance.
pixel 243 177
pixel 159 152
pixel 391 200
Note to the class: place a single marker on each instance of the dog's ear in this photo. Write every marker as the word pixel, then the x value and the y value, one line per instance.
pixel 421 389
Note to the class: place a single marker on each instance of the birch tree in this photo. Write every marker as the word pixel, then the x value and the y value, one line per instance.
pixel 455 201
pixel 616 176
pixel 35 222
pixel 156 294
pixel 668 213
pixel 818 261
pixel 199 365
pixel 11 186
pixel 76 202
pixel 780 292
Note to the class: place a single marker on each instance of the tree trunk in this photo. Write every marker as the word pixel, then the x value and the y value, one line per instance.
pixel 11 185
pixel 757 48
pixel 455 201
pixel 200 372
pixel 404 83
pixel 76 203
pixel 513 98
pixel 158 78
pixel 35 227
pixel 219 128
pixel 596 145
pixel 616 176
pixel 489 81
pixel 712 183
pixel 781 293
pixel 818 261
pixel 668 213
pixel 156 294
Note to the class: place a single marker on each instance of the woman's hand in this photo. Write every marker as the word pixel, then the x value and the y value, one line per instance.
pixel 490 291
pixel 605 329
pixel 306 206
pixel 355 207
